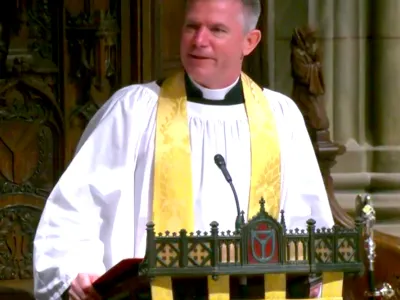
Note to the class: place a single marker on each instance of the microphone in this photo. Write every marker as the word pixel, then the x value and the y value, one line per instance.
pixel 220 162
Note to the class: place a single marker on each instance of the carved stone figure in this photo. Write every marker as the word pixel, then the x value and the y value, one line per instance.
pixel 308 81
pixel 308 91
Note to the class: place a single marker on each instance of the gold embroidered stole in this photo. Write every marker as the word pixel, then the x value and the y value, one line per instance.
pixel 173 207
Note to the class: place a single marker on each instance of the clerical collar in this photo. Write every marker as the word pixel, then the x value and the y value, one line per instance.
pixel 212 94
pixel 230 95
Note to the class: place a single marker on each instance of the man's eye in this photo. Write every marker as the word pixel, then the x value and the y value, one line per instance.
pixel 192 26
pixel 218 30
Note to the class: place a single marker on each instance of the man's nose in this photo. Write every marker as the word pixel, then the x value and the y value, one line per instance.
pixel 201 38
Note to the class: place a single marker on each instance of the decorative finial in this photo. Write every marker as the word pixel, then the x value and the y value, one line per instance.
pixel 262 205
pixel 150 225
pixel 214 225
pixel 311 222
pixel 283 222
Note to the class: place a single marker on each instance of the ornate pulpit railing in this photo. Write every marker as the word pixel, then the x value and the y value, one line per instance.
pixel 264 247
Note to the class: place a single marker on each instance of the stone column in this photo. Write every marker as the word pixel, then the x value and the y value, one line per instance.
pixel 324 20
pixel 385 112
pixel 283 17
pixel 343 38
pixel 313 13
pixel 339 25
pixel 346 64
pixel 363 72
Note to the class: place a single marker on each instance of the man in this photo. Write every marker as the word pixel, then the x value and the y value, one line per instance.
pixel 149 152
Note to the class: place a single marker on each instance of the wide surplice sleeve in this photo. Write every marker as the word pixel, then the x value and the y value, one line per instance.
pixel 67 240
pixel 304 189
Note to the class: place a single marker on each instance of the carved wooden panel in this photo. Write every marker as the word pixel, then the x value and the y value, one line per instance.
pixel 160 37
pixel 31 128
pixel 30 135
pixel 170 26
pixel 92 62
pixel 58 66
pixel 17 229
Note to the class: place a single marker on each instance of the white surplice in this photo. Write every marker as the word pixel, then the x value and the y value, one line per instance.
pixel 96 215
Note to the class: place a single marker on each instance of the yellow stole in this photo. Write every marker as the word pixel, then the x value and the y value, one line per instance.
pixel 173 196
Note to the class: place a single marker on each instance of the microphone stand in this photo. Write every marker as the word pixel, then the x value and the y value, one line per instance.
pixel 221 164
pixel 239 222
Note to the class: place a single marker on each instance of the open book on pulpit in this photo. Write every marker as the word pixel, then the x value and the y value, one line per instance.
pixel 260 256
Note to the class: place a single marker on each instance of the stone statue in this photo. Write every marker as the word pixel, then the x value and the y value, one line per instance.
pixel 308 81
pixel 308 91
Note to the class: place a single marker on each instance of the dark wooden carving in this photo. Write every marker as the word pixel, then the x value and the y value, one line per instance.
pixel 31 128
pixel 41 22
pixel 30 131
pixel 93 47
pixel 9 25
pixel 308 79
pixel 308 91
pixel 17 229
pixel 94 66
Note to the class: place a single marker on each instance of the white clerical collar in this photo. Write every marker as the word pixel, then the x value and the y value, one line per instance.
pixel 214 94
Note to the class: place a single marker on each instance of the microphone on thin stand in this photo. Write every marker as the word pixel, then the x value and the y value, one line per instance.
pixel 220 162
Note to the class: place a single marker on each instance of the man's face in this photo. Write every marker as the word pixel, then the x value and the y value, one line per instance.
pixel 213 41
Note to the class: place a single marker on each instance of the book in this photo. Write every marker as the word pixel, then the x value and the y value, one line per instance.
pixel 114 280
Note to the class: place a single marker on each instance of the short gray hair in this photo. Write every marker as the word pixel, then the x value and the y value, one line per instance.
pixel 252 12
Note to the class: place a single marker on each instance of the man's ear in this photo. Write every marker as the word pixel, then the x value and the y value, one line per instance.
pixel 252 39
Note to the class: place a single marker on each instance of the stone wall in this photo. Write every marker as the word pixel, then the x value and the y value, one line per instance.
pixel 361 45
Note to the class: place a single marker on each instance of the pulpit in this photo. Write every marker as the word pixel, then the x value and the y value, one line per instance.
pixel 254 262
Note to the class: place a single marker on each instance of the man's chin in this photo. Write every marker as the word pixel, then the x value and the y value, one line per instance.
pixel 199 75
